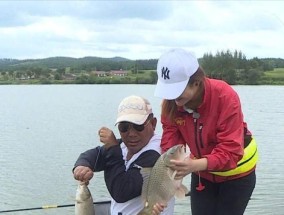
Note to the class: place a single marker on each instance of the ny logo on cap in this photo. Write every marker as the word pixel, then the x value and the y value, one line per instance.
pixel 165 73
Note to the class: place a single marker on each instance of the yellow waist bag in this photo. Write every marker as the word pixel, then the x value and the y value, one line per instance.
pixel 248 161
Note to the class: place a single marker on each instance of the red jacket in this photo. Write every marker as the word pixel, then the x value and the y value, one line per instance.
pixel 216 131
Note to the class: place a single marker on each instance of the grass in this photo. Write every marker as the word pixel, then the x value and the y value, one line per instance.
pixel 276 73
pixel 273 77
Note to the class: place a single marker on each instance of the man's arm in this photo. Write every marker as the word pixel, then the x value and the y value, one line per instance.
pixel 88 162
pixel 91 158
pixel 125 185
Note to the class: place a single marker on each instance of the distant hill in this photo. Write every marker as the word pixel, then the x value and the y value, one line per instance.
pixel 58 62
pixel 6 62
pixel 106 64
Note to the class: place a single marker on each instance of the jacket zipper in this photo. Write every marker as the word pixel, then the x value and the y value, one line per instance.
pixel 198 132
pixel 200 135
pixel 196 139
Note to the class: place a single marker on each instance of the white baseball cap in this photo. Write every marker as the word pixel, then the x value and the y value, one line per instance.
pixel 134 109
pixel 174 69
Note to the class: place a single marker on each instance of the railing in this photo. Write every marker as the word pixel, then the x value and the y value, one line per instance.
pixel 100 203
pixel 50 206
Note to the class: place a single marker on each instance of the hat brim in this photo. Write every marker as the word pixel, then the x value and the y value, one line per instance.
pixel 170 91
pixel 137 119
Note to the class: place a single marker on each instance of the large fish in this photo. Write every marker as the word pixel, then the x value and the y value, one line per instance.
pixel 84 201
pixel 159 185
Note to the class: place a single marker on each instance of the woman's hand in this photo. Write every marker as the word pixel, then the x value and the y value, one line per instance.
pixel 188 166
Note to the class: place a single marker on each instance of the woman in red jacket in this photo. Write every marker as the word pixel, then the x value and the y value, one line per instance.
pixel 206 115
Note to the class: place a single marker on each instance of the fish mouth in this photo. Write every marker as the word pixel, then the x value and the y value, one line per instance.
pixel 174 153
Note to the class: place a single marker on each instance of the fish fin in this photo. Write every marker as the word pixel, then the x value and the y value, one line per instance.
pixel 181 191
pixel 172 174
pixel 145 172
pixel 146 210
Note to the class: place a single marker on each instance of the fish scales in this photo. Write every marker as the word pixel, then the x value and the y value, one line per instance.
pixel 159 185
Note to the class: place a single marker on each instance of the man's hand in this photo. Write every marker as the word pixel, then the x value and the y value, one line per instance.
pixel 158 208
pixel 107 137
pixel 83 174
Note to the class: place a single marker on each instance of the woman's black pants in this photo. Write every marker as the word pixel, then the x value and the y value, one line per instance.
pixel 225 198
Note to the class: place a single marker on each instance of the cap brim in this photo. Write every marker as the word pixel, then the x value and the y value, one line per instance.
pixel 133 118
pixel 170 91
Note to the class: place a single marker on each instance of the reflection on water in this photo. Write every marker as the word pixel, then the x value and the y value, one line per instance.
pixel 44 128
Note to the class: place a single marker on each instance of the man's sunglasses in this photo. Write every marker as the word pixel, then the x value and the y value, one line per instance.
pixel 125 126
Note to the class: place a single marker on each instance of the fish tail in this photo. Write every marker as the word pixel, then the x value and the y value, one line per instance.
pixel 181 192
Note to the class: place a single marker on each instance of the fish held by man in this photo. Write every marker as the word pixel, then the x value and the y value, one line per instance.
pixel 84 201
pixel 159 185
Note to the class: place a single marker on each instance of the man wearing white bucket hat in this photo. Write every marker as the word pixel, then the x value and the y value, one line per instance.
pixel 206 115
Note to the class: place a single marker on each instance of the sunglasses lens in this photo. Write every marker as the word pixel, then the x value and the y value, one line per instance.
pixel 123 126
pixel 138 127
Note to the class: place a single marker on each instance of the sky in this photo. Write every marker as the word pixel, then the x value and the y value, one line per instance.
pixel 140 29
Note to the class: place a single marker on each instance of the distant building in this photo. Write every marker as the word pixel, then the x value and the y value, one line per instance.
pixel 99 73
pixel 118 73
pixel 69 76
pixel 111 73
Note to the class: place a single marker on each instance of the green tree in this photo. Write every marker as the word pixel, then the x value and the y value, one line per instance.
pixel 253 76
pixel 230 76
pixel 37 71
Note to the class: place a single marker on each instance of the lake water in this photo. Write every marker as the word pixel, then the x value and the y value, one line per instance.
pixel 43 129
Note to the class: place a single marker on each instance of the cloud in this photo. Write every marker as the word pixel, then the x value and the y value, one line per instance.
pixel 16 13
